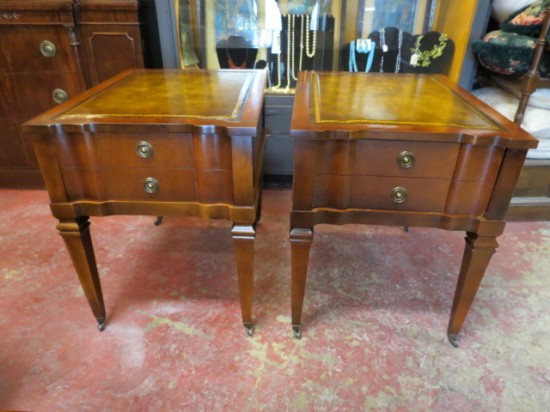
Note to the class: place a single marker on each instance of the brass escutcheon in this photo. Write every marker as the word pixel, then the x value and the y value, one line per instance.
pixel 151 185
pixel 48 49
pixel 406 159
pixel 59 96
pixel 398 194
pixel 144 149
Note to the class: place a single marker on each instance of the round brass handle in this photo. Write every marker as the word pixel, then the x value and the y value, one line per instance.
pixel 59 96
pixel 406 159
pixel 144 149
pixel 48 49
pixel 398 194
pixel 151 185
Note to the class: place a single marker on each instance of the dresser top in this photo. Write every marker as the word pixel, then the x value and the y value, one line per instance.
pixel 197 98
pixel 352 105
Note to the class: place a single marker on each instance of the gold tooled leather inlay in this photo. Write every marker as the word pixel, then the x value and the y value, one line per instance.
pixel 392 100
pixel 192 94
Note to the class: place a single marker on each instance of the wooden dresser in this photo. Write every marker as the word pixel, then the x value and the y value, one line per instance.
pixel 153 142
pixel 47 55
pixel 401 150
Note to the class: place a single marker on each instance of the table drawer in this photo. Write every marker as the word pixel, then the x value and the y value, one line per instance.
pixel 402 158
pixel 163 184
pixel 185 185
pixel 381 193
pixel 169 150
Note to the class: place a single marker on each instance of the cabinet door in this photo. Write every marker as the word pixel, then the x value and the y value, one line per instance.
pixel 109 50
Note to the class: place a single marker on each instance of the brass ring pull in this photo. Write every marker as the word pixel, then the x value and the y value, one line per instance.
pixel 151 185
pixel 144 150
pixel 398 194
pixel 59 96
pixel 48 49
pixel 406 159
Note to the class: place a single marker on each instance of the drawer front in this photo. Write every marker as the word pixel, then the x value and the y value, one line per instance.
pixel 408 159
pixel 32 94
pixel 386 158
pixel 148 184
pixel 381 193
pixel 30 49
pixel 145 150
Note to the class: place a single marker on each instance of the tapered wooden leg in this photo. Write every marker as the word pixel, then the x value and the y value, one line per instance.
pixel 243 239
pixel 300 241
pixel 76 234
pixel 477 254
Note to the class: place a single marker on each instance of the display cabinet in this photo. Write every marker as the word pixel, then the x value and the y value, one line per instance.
pixel 287 36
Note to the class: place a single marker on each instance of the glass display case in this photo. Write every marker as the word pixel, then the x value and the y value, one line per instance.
pixel 287 36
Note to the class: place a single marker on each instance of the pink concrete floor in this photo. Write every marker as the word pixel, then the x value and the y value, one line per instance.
pixel 375 316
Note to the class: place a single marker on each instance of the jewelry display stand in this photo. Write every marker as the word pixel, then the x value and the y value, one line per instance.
pixel 235 53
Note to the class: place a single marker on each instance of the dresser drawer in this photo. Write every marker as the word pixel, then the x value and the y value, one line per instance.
pixel 402 158
pixel 32 48
pixel 143 184
pixel 381 193
pixel 169 150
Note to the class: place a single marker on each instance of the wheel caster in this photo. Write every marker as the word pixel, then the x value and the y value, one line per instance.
pixel 297 332
pixel 158 221
pixel 101 326
pixel 249 330
pixel 405 228
pixel 453 339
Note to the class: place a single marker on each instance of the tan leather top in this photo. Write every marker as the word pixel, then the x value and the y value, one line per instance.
pixel 178 94
pixel 359 103
pixel 170 100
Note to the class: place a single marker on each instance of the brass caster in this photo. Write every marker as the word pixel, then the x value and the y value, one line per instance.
pixel 405 228
pixel 454 340
pixel 249 330
pixel 101 326
pixel 158 221
pixel 297 332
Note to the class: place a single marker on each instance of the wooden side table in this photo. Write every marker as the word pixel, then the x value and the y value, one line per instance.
pixel 408 150
pixel 153 142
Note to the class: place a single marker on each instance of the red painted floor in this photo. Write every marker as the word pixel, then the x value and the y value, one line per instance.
pixel 375 316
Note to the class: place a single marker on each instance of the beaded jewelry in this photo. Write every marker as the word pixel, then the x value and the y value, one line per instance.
pixel 422 58
pixel 278 40
pixel 293 50
pixel 364 46
pixel 399 44
pixel 384 48
pixel 311 53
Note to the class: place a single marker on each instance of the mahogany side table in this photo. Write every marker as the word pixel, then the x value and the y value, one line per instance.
pixel 407 150
pixel 156 142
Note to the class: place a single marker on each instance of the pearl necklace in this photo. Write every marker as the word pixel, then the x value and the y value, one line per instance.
pixel 289 47
pixel 293 50
pixel 278 85
pixel 302 23
pixel 311 53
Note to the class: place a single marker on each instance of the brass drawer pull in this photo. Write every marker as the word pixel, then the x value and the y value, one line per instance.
pixel 59 96
pixel 144 149
pixel 398 194
pixel 48 49
pixel 406 159
pixel 151 185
